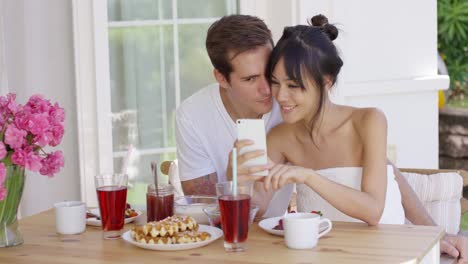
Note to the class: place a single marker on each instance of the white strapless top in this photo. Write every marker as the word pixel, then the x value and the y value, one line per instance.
pixel 308 200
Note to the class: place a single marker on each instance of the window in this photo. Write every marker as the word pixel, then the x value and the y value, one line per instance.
pixel 157 58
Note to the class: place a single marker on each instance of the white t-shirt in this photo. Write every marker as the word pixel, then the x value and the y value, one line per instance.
pixel 205 134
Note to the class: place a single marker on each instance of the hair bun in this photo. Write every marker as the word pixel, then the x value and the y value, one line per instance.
pixel 331 31
pixel 319 20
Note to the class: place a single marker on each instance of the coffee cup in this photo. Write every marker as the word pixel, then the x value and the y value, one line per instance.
pixel 70 217
pixel 301 230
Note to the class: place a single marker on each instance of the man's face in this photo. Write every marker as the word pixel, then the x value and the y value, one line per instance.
pixel 249 89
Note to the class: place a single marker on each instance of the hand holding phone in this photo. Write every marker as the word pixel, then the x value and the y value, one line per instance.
pixel 253 129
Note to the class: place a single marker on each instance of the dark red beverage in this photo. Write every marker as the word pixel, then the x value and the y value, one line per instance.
pixel 112 204
pixel 235 212
pixel 159 207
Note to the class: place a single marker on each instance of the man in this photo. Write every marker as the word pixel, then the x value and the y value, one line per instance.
pixel 239 47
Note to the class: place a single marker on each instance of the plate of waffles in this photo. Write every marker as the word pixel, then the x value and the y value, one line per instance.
pixel 172 233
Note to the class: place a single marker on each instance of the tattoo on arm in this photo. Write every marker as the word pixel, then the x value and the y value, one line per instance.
pixel 204 185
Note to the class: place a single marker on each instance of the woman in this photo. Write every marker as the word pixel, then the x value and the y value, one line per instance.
pixel 335 154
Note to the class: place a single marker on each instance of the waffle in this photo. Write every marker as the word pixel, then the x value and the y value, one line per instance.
pixel 167 227
pixel 172 230
pixel 184 223
pixel 190 237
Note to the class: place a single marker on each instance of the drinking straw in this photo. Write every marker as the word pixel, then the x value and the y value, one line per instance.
pixel 234 171
pixel 125 162
pixel 126 159
pixel 154 169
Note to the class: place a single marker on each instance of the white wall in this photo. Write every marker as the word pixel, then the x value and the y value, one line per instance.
pixel 3 77
pixel 39 59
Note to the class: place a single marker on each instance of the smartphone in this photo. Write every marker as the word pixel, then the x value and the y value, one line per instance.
pixel 253 129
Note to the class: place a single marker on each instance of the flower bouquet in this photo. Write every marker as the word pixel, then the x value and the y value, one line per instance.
pixel 25 131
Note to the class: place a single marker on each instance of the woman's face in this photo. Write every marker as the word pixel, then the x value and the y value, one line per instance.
pixel 296 104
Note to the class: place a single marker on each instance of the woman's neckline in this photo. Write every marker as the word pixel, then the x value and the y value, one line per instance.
pixel 344 167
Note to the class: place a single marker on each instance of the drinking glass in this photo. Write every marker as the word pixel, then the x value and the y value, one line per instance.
pixel 112 196
pixel 235 210
pixel 160 202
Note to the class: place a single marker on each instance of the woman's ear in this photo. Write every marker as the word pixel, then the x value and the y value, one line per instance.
pixel 328 83
pixel 223 82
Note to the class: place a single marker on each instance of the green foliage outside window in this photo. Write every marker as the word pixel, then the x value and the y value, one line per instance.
pixel 452 17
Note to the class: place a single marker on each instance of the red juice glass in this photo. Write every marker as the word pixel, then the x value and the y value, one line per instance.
pixel 112 197
pixel 160 204
pixel 235 211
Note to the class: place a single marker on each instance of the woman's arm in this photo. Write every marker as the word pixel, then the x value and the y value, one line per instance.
pixel 367 204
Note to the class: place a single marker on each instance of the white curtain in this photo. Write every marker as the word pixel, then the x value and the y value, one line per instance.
pixel 3 70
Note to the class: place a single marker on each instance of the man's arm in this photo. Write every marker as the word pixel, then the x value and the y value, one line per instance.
pixel 193 157
pixel 204 185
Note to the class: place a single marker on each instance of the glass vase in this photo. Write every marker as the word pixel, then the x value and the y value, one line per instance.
pixel 9 231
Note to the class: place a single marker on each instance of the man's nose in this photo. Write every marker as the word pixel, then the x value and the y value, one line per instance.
pixel 264 87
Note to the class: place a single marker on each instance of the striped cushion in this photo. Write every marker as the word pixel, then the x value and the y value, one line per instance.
pixel 440 194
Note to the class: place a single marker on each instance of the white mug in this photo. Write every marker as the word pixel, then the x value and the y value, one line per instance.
pixel 301 230
pixel 70 217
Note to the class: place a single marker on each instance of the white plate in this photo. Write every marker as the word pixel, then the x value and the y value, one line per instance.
pixel 214 232
pixel 269 223
pixel 93 221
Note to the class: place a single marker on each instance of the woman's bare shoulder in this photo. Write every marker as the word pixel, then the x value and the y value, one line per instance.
pixel 281 131
pixel 369 114
pixel 281 134
pixel 367 120
pixel 279 141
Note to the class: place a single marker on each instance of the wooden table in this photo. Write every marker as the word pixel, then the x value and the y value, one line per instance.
pixel 346 243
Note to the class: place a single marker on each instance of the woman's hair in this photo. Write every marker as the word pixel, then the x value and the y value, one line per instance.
pixel 309 54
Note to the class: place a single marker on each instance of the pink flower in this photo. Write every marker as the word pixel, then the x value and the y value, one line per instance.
pixel 52 163
pixel 21 120
pixel 57 134
pixel 37 123
pixel 15 137
pixel 27 158
pixel 57 113
pixel 43 139
pixel 8 107
pixel 28 129
pixel 3 193
pixel 8 104
pixel 3 151
pixel 2 173
pixel 37 104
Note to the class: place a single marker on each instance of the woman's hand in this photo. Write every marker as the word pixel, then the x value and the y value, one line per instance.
pixel 245 174
pixel 282 174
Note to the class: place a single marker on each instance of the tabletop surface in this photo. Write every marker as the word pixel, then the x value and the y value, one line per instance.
pixel 345 243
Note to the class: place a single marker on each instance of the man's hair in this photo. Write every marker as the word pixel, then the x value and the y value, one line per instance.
pixel 234 33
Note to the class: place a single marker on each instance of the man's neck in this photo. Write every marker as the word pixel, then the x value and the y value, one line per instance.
pixel 235 111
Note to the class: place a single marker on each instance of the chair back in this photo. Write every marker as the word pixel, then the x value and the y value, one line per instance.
pixel 170 169
pixel 441 193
